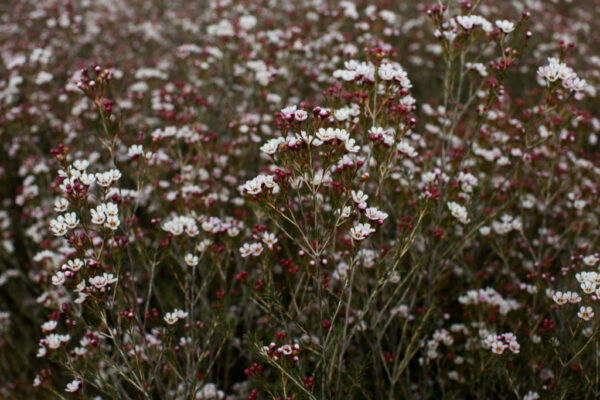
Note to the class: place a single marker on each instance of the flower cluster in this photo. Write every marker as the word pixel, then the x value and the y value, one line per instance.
pixel 498 344
pixel 174 316
pixel 557 71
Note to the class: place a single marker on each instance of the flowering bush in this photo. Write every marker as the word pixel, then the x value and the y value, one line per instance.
pixel 299 200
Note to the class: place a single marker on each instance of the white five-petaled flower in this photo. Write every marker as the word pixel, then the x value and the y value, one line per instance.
pixel 70 219
pixel 514 346
pixel 351 146
pixel 498 347
pixel 58 279
pixel 271 146
pixel 374 214
pixel 87 179
pixel 345 212
pixel 73 265
pixel 58 227
pixel 585 313
pixel 191 260
pixel 61 204
pixel 559 298
pixel 269 239
pixel 505 26
pixel 300 115
pixel 177 315
pixel 104 179
pixel 359 197
pixel 81 165
pixel 407 149
pixel 459 212
pixel 591 260
pixel 101 281
pixel 361 231
pixel 98 216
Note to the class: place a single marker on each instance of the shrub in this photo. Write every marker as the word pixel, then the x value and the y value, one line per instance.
pixel 299 200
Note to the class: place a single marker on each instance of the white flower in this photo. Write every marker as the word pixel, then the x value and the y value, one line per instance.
pixel 177 315
pixel 588 287
pixel 498 347
pixel 61 204
pixel 469 21
pixel 591 260
pixel 359 197
pixel 269 239
pixel 254 249
pixel 271 146
pixel 191 260
pixel 87 179
pixel 465 21
pixel 135 150
pixel 73 386
pixel 112 223
pixel 81 165
pixel 514 346
pixel 247 22
pixel 101 281
pixel 374 214
pixel 579 204
pixel 407 149
pixel 585 313
pixel 110 209
pixel 73 265
pixel 58 227
pixel 70 219
pixel 254 186
pixel 361 231
pixel 386 72
pixel 58 279
pixel 49 326
pixel 531 395
pixel 341 135
pixel 116 174
pixel 300 115
pixel 233 231
pixel 245 250
pixel 104 179
pixel 559 298
pixel 505 26
pixel 43 77
pixel 42 351
pixel 98 216
pixel 351 146
pixel 53 341
pixel 345 213
pixel 479 67
pixel 573 297
pixel 401 311
pixel 326 135
pixel 459 212
pixel 342 114
pixel 203 245
pixel 289 112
